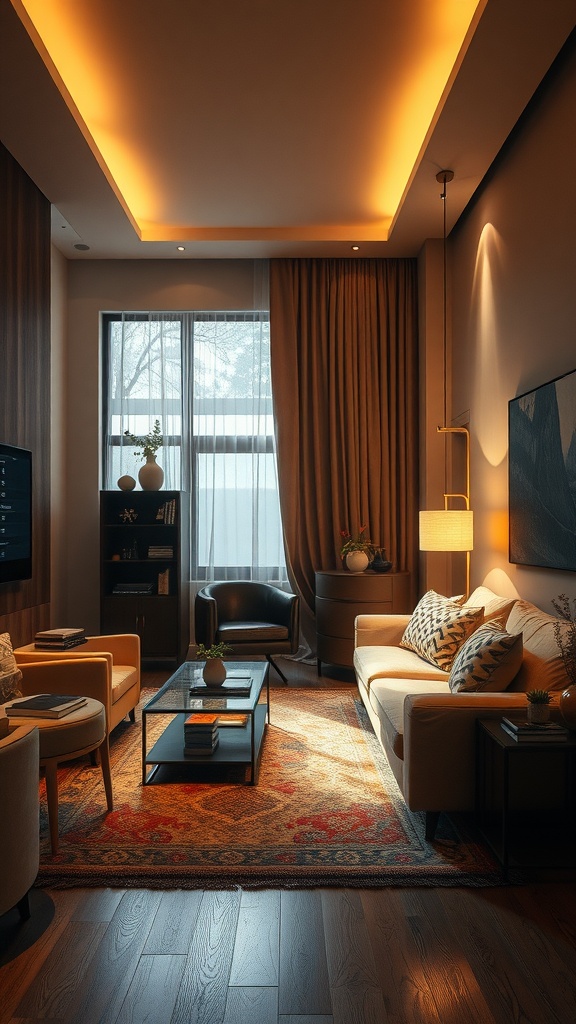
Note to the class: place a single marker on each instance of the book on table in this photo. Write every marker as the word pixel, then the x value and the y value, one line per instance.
pixel 545 732
pixel 45 705
pixel 201 733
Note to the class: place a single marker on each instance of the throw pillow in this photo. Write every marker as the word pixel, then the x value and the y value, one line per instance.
pixel 438 627
pixel 488 660
pixel 10 674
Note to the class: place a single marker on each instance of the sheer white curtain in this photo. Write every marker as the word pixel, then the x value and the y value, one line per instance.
pixel 206 377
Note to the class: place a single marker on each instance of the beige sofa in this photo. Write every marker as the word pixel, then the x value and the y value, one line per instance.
pixel 428 731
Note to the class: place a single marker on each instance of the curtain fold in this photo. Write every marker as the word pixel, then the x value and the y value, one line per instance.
pixel 344 357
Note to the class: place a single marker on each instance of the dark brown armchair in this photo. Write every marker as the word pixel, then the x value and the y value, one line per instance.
pixel 253 618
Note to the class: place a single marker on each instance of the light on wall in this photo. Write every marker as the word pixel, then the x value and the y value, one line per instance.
pixel 449 529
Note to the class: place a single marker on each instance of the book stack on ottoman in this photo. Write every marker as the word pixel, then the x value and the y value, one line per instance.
pixel 200 734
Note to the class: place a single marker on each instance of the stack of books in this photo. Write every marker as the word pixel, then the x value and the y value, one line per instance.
pixel 161 551
pixel 44 705
pixel 167 512
pixel 524 731
pixel 59 639
pixel 200 734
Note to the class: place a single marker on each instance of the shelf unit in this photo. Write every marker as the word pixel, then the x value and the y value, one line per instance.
pixel 144 554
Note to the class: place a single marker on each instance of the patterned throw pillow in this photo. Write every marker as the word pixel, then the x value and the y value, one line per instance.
pixel 488 660
pixel 10 674
pixel 438 627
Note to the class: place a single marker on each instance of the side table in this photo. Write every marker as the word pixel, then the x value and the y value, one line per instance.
pixel 526 798
pixel 341 596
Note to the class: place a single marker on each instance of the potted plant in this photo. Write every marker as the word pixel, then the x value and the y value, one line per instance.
pixel 565 636
pixel 214 672
pixel 356 551
pixel 150 475
pixel 538 706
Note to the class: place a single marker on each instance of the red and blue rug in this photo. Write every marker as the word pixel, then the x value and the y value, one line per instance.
pixel 326 812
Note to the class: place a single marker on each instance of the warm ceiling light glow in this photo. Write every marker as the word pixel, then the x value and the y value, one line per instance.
pixel 181 248
pixel 89 69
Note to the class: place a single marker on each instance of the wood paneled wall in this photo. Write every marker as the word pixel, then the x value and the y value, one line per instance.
pixel 25 377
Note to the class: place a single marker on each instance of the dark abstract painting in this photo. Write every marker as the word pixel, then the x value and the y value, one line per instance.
pixel 542 475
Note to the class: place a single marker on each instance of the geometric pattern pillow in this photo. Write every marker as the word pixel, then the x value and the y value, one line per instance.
pixel 488 660
pixel 438 627
pixel 10 674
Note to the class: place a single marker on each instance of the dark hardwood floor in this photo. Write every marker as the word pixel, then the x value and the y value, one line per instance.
pixel 452 956
pixel 321 956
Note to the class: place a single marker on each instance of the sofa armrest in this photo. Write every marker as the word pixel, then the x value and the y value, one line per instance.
pixel 440 746
pixel 379 630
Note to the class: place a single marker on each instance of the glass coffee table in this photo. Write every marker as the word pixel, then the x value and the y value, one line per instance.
pixel 185 692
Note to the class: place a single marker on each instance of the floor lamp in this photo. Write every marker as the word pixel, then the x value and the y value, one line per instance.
pixel 449 529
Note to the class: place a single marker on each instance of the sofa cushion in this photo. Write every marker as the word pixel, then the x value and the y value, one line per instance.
pixel 123 678
pixel 387 698
pixel 381 662
pixel 495 607
pixel 542 666
pixel 438 627
pixel 488 660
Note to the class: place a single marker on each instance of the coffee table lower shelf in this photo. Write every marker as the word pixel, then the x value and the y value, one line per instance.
pixel 234 747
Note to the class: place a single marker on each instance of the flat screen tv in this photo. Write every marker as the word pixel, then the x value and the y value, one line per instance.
pixel 15 514
pixel 542 475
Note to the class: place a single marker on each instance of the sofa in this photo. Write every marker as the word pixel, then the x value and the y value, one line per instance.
pixel 424 695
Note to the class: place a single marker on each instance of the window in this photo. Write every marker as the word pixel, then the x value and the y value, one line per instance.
pixel 206 377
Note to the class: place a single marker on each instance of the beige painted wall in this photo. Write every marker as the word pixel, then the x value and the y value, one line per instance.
pixel 513 261
pixel 115 285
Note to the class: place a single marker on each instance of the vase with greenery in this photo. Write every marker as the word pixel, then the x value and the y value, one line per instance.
pixel 214 672
pixel 150 475
pixel 565 636
pixel 538 706
pixel 356 551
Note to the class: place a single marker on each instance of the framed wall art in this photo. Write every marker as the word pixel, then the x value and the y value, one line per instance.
pixel 542 475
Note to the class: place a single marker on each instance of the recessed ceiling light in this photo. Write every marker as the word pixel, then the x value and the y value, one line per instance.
pixel 81 247
pixel 355 248
pixel 181 248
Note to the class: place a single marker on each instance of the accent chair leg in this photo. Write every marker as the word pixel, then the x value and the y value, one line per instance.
pixel 431 823
pixel 270 659
pixel 132 715
pixel 104 752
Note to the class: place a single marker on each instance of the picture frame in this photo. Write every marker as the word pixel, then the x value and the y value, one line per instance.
pixel 542 475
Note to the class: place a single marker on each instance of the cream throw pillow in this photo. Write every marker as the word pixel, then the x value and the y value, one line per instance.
pixel 10 674
pixel 488 660
pixel 438 627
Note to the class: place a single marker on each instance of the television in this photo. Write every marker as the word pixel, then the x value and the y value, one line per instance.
pixel 542 475
pixel 15 514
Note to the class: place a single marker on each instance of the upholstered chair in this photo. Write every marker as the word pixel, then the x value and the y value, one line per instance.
pixel 253 618
pixel 115 679
pixel 19 813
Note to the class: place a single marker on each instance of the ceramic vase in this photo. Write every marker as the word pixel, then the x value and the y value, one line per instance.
pixel 568 707
pixel 126 483
pixel 357 561
pixel 214 672
pixel 151 475
pixel 538 713
pixel 380 563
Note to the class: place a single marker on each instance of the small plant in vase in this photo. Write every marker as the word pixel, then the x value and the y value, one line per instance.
pixel 214 672
pixel 565 637
pixel 538 706
pixel 150 475
pixel 356 551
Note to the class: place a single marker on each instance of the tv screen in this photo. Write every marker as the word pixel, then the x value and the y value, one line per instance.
pixel 542 475
pixel 15 513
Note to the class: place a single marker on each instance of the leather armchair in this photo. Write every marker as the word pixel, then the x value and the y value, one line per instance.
pixel 19 812
pixel 105 667
pixel 253 618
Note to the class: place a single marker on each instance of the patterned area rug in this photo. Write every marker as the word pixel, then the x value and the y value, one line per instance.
pixel 326 811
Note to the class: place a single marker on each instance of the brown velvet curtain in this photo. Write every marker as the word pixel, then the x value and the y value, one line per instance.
pixel 344 351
